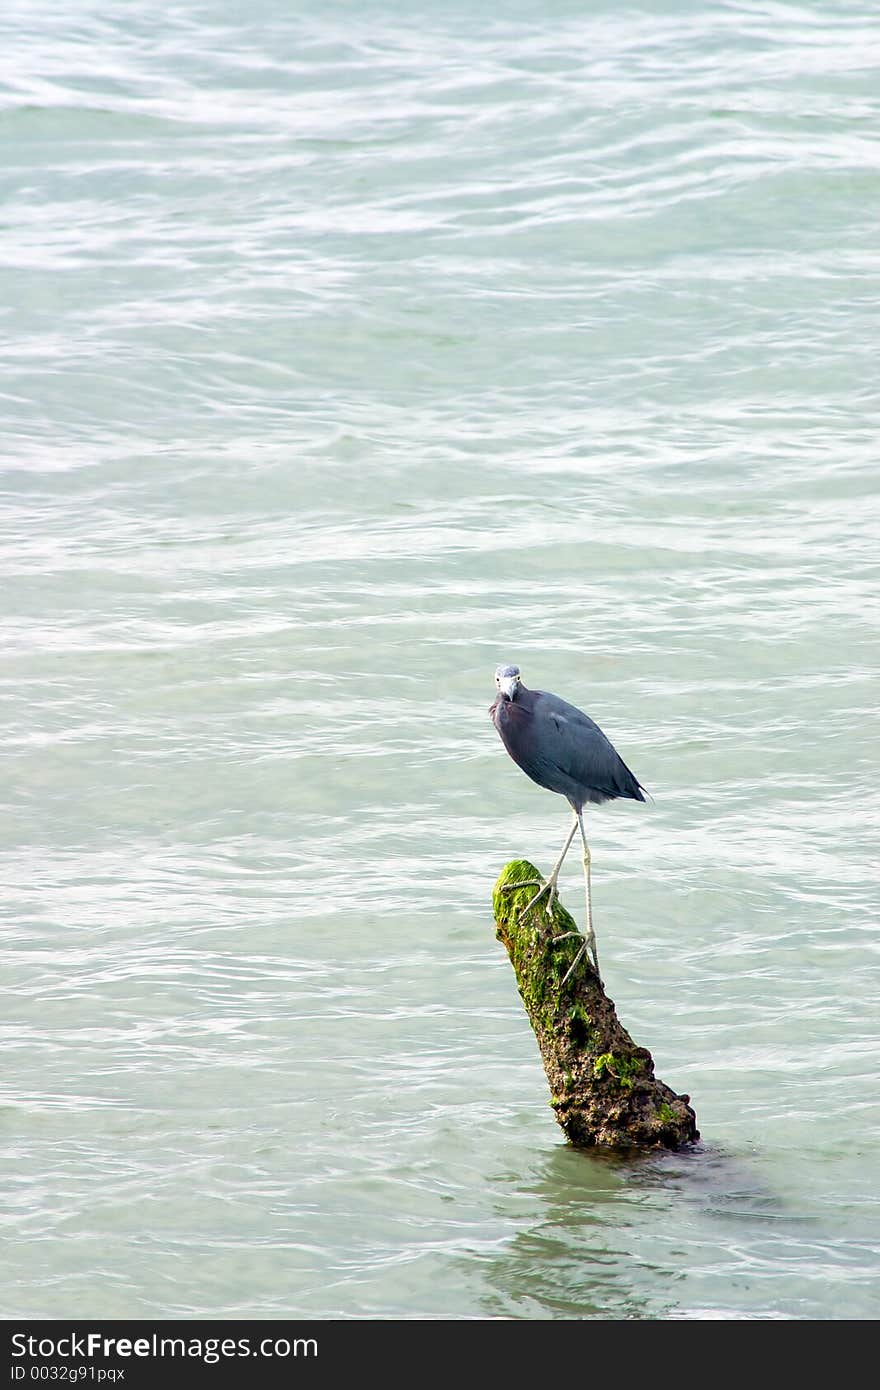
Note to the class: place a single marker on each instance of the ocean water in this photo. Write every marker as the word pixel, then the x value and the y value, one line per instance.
pixel 348 350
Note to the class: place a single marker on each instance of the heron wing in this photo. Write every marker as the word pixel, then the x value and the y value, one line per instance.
pixel 577 748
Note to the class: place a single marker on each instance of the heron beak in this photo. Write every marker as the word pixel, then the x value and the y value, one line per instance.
pixel 507 685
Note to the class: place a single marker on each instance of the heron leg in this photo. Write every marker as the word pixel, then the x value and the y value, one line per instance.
pixel 550 885
pixel 589 935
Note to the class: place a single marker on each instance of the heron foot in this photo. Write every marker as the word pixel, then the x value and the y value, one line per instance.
pixel 571 969
pixel 548 887
pixel 594 963
pixel 541 884
pixel 588 943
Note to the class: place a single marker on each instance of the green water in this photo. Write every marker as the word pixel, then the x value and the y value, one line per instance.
pixel 346 353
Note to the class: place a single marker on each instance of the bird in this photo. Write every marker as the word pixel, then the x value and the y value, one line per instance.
pixel 564 750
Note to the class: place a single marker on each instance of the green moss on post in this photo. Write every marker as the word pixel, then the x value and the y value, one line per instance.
pixel 602 1086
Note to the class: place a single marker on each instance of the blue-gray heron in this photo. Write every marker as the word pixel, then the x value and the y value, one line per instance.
pixel 563 749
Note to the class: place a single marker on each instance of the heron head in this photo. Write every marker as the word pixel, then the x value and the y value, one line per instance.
pixel 507 680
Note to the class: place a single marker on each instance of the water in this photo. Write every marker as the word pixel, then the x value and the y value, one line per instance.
pixel 347 351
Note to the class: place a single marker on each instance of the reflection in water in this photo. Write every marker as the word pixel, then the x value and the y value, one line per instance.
pixel 586 1256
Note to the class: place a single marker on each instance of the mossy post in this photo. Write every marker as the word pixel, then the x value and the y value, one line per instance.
pixel 602 1086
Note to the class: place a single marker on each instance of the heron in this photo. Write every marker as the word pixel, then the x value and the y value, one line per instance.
pixel 564 750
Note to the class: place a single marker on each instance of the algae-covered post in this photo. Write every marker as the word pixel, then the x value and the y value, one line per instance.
pixel 602 1086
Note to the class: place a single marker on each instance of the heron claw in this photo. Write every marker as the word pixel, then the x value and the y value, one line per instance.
pixel 592 960
pixel 576 961
pixel 547 886
pixel 525 883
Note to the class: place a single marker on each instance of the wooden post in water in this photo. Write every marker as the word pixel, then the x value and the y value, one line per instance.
pixel 602 1086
